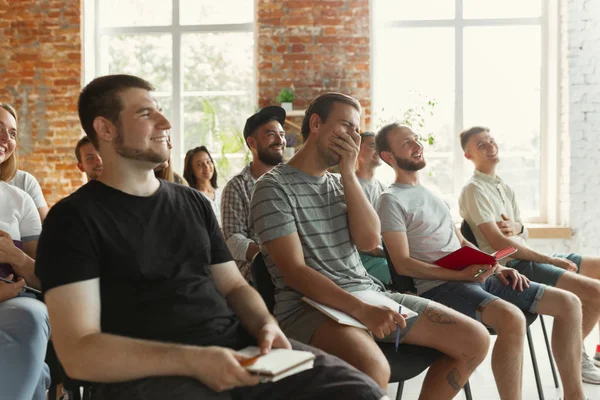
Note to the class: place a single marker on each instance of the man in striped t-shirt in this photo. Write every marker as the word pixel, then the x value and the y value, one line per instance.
pixel 310 223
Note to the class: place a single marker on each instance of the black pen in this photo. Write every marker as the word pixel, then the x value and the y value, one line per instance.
pixel 26 287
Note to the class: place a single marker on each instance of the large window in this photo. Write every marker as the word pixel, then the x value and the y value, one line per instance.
pixel 199 54
pixel 481 62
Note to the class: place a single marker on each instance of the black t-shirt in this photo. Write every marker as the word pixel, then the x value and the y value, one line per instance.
pixel 152 256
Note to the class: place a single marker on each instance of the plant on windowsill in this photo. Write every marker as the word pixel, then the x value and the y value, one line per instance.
pixel 286 98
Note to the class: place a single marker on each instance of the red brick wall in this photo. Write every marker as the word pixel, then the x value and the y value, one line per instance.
pixel 316 45
pixel 40 72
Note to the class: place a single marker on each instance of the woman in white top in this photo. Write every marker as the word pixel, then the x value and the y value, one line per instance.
pixel 24 327
pixel 200 173
pixel 27 182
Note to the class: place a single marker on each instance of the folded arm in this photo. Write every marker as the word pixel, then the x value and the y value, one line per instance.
pixel 498 241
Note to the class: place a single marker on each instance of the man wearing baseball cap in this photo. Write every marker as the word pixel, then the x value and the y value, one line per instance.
pixel 265 137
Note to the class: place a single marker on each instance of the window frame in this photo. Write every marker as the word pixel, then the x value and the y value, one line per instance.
pixel 550 91
pixel 92 61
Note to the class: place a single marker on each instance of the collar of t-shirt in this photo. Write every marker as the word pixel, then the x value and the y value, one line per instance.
pixel 494 179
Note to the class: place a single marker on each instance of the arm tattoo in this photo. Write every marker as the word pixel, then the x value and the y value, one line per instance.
pixel 453 378
pixel 438 316
pixel 470 361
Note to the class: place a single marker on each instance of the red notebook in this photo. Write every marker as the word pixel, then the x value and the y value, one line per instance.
pixel 467 255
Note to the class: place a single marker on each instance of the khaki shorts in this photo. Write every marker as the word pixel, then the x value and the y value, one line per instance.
pixel 303 324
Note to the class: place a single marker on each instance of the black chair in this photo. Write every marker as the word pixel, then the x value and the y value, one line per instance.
pixel 467 232
pixel 405 364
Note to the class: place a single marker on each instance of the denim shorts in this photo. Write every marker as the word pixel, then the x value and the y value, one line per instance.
pixel 470 298
pixel 547 274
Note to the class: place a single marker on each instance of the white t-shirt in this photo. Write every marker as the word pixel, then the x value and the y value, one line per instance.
pixel 216 203
pixel 27 182
pixel 18 214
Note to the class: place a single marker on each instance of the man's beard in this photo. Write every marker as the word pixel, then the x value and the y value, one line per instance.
pixel 147 155
pixel 267 158
pixel 410 165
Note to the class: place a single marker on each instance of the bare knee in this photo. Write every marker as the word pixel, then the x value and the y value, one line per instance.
pixel 378 368
pixel 570 305
pixel 508 320
pixel 478 343
pixel 592 299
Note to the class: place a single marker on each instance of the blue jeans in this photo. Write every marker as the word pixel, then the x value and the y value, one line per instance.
pixel 24 334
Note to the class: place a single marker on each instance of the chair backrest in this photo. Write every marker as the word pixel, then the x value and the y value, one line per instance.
pixel 262 281
pixel 467 232
pixel 400 283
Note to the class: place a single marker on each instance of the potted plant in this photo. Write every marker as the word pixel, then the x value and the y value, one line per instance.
pixel 285 98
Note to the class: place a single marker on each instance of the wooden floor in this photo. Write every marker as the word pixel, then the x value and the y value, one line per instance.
pixel 483 386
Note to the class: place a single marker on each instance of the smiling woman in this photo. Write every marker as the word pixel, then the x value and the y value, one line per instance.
pixel 200 173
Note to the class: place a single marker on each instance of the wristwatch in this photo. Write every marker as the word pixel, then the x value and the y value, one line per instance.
pixel 522 229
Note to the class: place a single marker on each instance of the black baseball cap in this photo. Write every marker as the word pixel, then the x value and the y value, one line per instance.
pixel 263 116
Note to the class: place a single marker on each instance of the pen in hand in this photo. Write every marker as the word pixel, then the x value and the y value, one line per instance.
pixel 398 330
pixel 481 271
pixel 249 361
pixel 26 287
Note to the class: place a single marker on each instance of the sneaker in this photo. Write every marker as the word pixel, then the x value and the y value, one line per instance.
pixel 589 373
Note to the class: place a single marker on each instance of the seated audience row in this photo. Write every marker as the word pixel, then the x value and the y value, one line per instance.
pixel 176 308
pixel 417 229
pixel 151 256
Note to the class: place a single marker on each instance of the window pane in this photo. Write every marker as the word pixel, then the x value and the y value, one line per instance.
pixel 201 12
pixel 406 78
pixel 218 61
pixel 389 10
pixel 135 13
pixel 501 8
pixel 146 56
pixel 502 91
pixel 217 123
pixel 166 103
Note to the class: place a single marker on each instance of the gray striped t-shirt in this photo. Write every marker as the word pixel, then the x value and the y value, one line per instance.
pixel 287 200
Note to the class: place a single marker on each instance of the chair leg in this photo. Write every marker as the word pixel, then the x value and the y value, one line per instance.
pixel 550 357
pixel 536 371
pixel 467 390
pixel 400 390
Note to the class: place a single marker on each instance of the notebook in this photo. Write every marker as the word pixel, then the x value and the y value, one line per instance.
pixel 368 296
pixel 278 363
pixel 467 255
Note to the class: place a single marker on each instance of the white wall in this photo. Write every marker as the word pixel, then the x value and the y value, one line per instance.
pixel 580 142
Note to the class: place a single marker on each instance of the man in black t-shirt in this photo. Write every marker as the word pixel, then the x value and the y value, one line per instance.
pixel 143 295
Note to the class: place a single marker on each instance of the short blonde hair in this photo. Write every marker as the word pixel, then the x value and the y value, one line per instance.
pixel 8 168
